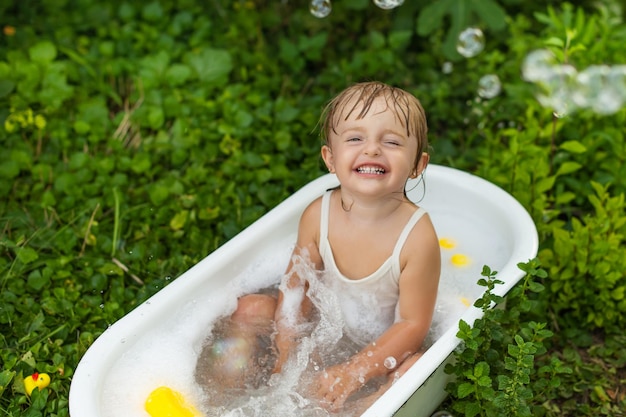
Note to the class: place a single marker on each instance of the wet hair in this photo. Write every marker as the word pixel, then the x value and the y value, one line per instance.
pixel 359 98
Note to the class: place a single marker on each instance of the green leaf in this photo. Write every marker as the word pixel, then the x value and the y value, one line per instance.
pixel 27 255
pixel 5 379
pixel 465 389
pixel 37 280
pixel 43 52
pixel 211 65
pixel 568 167
pixel 573 146
pixel 179 220
pixel 491 13
pixel 431 16
pixel 178 74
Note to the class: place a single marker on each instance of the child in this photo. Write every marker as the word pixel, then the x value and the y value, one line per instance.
pixel 377 248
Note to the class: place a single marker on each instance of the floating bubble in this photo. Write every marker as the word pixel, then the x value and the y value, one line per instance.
pixel 556 88
pixel 447 67
pixel 320 8
pixel 538 65
pixel 598 90
pixel 388 4
pixel 471 42
pixel 390 362
pixel 489 86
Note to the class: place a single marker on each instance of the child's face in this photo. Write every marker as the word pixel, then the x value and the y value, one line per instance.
pixel 373 154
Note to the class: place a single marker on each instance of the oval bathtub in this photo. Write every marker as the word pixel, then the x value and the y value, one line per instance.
pixel 477 221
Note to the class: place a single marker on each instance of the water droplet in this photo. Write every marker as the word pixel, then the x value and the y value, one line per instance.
pixel 489 86
pixel 447 67
pixel 362 379
pixel 370 353
pixel 390 362
pixel 471 42
pixel 388 4
pixel 102 306
pixel 320 8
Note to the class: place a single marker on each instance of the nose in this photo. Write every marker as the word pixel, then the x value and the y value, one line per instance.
pixel 372 148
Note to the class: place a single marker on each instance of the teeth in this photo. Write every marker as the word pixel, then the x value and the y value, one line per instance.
pixel 370 170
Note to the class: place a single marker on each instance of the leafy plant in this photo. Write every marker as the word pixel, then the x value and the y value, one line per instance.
pixel 588 274
pixel 495 365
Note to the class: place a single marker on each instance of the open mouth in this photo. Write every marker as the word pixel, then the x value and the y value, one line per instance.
pixel 368 169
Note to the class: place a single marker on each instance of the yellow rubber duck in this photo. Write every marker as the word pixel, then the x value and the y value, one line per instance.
pixel 36 380
pixel 165 402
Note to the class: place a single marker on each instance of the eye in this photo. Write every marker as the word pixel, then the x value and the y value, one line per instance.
pixel 353 139
pixel 393 142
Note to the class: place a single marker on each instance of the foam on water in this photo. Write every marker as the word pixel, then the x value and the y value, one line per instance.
pixel 167 355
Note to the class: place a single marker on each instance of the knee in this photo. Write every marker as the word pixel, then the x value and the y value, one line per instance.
pixel 255 308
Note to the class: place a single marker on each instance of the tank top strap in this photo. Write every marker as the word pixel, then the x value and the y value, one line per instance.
pixel 324 216
pixel 407 229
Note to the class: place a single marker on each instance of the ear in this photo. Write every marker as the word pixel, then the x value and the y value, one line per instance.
pixel 327 156
pixel 421 165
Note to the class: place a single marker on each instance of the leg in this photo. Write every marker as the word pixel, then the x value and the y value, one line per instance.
pixel 255 309
pixel 239 349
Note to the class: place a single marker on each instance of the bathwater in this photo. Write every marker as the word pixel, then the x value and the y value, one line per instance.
pixel 168 355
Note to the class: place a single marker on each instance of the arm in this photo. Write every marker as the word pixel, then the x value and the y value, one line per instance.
pixel 419 281
pixel 293 305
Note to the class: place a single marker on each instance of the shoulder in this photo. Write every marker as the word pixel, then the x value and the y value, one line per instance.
pixel 312 212
pixel 421 248
pixel 308 229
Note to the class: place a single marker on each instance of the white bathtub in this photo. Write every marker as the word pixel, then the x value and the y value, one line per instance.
pixel 455 200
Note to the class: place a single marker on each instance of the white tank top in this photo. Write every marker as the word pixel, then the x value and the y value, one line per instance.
pixel 370 304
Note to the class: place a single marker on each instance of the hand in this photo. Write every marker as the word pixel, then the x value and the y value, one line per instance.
pixel 334 385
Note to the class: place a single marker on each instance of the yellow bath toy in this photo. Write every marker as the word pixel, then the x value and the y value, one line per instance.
pixel 447 243
pixel 458 259
pixel 165 402
pixel 36 380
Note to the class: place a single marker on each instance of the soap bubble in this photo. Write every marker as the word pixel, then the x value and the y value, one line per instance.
pixel 390 362
pixel 538 65
pixel 320 8
pixel 598 90
pixel 556 89
pixel 447 67
pixel 489 86
pixel 388 4
pixel 470 42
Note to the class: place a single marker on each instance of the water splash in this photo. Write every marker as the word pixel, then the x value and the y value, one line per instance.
pixel 471 42
pixel 320 8
pixel 489 86
pixel 388 4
